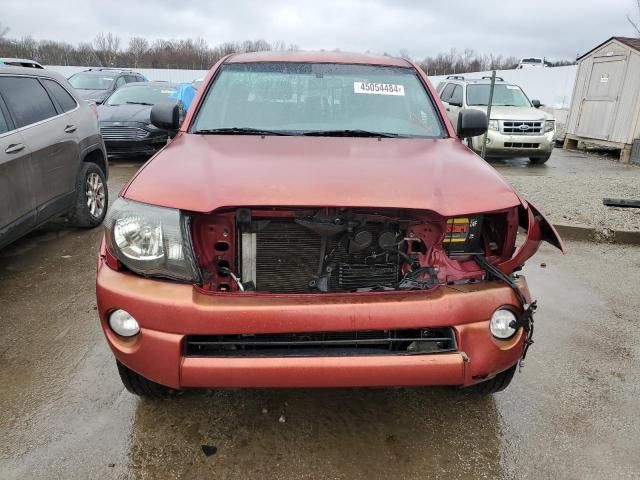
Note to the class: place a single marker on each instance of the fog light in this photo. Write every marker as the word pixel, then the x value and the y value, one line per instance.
pixel 123 324
pixel 501 324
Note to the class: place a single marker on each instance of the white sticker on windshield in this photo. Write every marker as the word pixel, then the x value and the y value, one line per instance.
pixel 512 87
pixel 378 88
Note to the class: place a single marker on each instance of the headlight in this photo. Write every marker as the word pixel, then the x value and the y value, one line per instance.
pixel 151 241
pixel 493 125
pixel 500 324
pixel 549 126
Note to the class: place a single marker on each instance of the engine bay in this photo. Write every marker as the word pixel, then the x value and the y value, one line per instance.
pixel 331 250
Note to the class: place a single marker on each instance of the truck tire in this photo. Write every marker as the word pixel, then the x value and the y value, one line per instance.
pixel 92 197
pixel 495 384
pixel 539 160
pixel 140 386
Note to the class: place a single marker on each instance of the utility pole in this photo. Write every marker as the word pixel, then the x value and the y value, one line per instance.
pixel 486 134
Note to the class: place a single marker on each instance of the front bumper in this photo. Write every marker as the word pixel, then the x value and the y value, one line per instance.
pixel 134 148
pixel 509 146
pixel 168 311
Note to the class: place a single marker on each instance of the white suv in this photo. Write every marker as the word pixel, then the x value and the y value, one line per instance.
pixel 517 127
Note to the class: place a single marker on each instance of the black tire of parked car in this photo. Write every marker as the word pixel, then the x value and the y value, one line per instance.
pixel 494 385
pixel 142 387
pixel 539 160
pixel 81 215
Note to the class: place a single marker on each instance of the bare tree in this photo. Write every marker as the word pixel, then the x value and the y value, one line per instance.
pixel 138 47
pixel 3 30
pixel 85 55
pixel 28 48
pixel 107 48
pixel 635 24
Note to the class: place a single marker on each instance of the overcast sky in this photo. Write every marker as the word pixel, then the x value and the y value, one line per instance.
pixel 557 29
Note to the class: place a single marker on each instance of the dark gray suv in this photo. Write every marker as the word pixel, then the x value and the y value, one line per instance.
pixel 96 84
pixel 52 158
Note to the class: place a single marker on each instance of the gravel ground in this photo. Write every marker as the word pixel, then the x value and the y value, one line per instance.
pixel 569 189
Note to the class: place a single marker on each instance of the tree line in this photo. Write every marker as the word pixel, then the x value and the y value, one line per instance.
pixel 107 50
pixel 468 61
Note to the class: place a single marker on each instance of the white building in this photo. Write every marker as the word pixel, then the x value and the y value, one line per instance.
pixel 605 106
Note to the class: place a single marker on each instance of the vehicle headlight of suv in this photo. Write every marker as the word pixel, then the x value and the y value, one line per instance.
pixel 493 125
pixel 150 240
pixel 549 126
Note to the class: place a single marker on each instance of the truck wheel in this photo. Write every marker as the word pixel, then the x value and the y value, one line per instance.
pixel 494 385
pixel 539 160
pixel 140 386
pixel 92 197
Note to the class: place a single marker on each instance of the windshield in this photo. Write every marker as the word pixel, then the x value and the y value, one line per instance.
pixel 89 81
pixel 303 98
pixel 143 94
pixel 503 95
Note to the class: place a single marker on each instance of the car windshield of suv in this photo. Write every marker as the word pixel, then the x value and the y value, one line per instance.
pixel 141 94
pixel 90 81
pixel 503 95
pixel 318 99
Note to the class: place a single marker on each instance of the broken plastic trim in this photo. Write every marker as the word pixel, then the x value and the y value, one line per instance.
pixel 525 320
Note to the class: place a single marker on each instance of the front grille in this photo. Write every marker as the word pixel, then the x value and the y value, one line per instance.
pixel 521 145
pixel 288 257
pixel 123 133
pixel 522 127
pixel 322 344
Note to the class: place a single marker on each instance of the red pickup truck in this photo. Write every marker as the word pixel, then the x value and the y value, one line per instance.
pixel 317 222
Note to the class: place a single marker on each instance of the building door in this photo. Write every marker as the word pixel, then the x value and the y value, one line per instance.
pixel 599 107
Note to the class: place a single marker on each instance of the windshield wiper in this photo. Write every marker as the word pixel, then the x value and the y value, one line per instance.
pixel 140 103
pixel 350 133
pixel 242 131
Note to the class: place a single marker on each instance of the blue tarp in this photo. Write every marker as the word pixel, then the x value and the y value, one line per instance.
pixel 185 93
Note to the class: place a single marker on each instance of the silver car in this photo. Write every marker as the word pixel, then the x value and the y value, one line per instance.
pixel 52 157
pixel 517 127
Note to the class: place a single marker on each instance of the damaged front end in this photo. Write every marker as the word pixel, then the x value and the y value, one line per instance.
pixel 352 250
pixel 260 293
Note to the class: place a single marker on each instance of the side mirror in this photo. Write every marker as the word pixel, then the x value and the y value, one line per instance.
pixel 536 103
pixel 472 123
pixel 166 116
pixel 99 102
pixel 455 103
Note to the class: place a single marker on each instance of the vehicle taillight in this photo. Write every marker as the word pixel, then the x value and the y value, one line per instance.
pixel 94 108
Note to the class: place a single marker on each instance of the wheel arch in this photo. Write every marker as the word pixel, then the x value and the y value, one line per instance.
pixel 95 154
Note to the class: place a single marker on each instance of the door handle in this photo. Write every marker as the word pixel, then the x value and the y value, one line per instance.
pixel 448 109
pixel 70 128
pixel 14 148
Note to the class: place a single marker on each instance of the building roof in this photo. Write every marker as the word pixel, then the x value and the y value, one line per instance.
pixel 318 57
pixel 628 41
